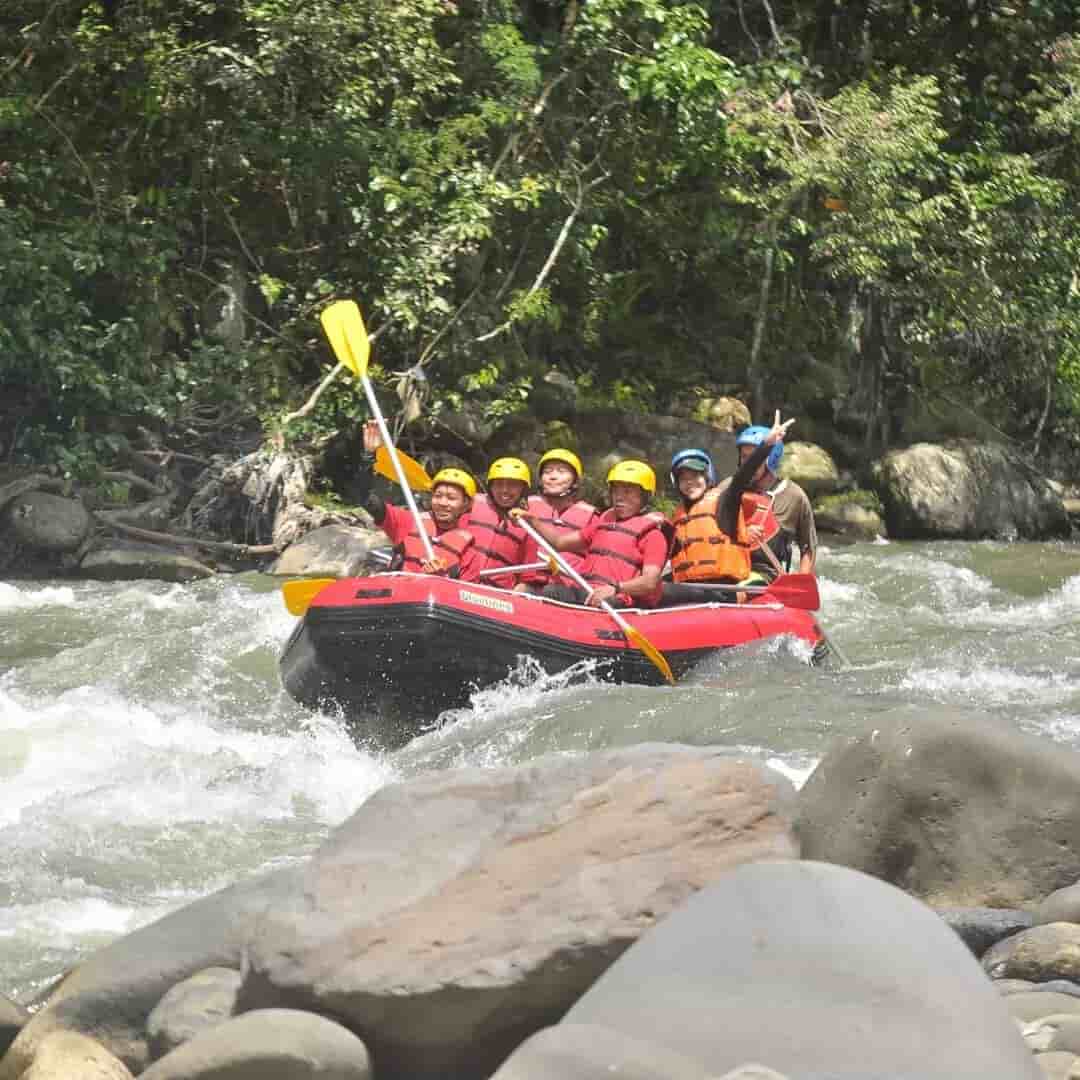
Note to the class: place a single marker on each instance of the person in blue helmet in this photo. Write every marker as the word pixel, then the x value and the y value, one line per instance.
pixel 777 511
pixel 712 543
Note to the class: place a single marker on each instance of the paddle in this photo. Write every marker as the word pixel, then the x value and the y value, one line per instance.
pixel 414 471
pixel 791 590
pixel 299 594
pixel 348 338
pixel 634 636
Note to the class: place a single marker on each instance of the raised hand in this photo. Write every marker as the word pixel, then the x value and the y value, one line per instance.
pixel 778 430
pixel 373 439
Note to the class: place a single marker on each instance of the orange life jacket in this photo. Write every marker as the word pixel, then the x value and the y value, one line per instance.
pixel 615 552
pixel 576 516
pixel 499 542
pixel 449 547
pixel 703 551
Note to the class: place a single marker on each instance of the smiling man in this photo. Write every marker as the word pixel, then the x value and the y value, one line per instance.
pixel 624 549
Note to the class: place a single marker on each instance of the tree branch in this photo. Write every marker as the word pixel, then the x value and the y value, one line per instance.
pixel 189 541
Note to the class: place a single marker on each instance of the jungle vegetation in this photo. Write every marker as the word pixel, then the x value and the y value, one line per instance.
pixel 864 212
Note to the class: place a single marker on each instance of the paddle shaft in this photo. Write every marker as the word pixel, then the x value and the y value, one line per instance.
pixel 373 402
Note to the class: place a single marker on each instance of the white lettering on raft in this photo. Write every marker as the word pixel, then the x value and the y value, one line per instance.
pixel 493 602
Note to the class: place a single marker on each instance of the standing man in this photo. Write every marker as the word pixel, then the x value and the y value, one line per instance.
pixel 777 512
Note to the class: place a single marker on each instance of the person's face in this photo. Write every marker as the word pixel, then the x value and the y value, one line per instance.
pixel 626 499
pixel 506 493
pixel 448 503
pixel 744 454
pixel 557 478
pixel 692 484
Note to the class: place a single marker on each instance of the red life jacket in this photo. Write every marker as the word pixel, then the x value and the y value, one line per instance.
pixel 703 551
pixel 615 553
pixel 449 546
pixel 576 516
pixel 499 542
pixel 757 508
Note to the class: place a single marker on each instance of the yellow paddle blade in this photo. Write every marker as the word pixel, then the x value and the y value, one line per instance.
pixel 348 336
pixel 553 565
pixel 414 472
pixel 636 637
pixel 299 594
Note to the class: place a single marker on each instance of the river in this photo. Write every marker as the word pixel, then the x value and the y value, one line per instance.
pixel 148 755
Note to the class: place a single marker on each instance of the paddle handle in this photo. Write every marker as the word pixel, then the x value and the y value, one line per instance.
pixel 373 403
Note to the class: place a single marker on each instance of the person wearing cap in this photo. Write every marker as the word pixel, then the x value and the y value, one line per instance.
pixel 778 512
pixel 625 547
pixel 559 475
pixel 712 542
pixel 452 493
pixel 499 541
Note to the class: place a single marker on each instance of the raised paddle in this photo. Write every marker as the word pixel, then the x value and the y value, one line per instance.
pixel 413 470
pixel 345 328
pixel 299 594
pixel 634 636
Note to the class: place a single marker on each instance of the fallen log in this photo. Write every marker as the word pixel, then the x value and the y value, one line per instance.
pixel 189 541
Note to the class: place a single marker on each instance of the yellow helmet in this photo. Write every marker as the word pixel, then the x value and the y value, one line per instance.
pixel 510 468
pixel 567 457
pixel 633 472
pixel 458 477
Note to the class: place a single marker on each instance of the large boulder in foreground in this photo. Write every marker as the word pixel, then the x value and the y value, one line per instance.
pixel 48 523
pixel 812 970
pixel 110 996
pixel 330 551
pixel 457 913
pixel 956 808
pixel 966 490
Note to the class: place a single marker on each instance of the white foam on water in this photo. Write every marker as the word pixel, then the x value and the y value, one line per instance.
pixel 65 923
pixel 99 759
pixel 797 772
pixel 1057 608
pixel 993 685
pixel 13 598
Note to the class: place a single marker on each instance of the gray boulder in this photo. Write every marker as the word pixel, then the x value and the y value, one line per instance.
pixel 1062 905
pixel 813 970
pixel 67 1055
pixel 110 996
pixel 981 927
pixel 811 467
pixel 191 1007
pixel 1051 951
pixel 125 560
pixel 47 523
pixel 966 490
pixel 456 914
pixel 271 1044
pixel 330 551
pixel 916 798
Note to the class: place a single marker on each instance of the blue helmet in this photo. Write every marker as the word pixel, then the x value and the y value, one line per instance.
pixel 755 436
pixel 693 459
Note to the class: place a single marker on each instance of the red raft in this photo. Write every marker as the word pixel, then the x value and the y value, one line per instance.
pixel 410 645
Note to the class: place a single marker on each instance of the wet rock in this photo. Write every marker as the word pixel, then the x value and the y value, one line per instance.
pixel 966 490
pixel 591 1052
pixel 1062 905
pixel 780 962
pixel 270 1044
pixel 455 914
pixel 914 797
pixel 330 551
pixel 1013 986
pixel 191 1007
pixel 850 515
pixel 1050 951
pixel 67 1055
pixel 811 467
pixel 110 995
pixel 13 1018
pixel 48 523
pixel 125 560
pixel 981 927
pixel 1067 1036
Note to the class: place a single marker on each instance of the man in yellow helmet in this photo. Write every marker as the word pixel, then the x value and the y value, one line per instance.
pixel 452 493
pixel 499 542
pixel 557 503
pixel 625 548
